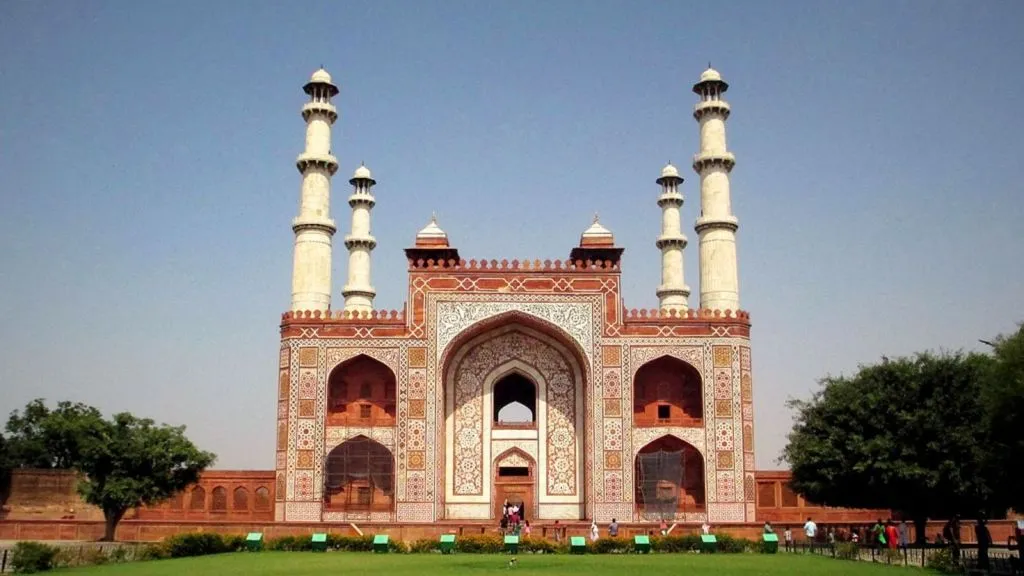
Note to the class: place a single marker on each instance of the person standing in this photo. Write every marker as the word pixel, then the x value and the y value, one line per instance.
pixel 904 534
pixel 768 528
pixel 892 537
pixel 788 536
pixel 593 531
pixel 810 531
pixel 613 528
pixel 984 539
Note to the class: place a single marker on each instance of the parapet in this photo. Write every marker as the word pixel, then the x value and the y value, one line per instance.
pixel 563 266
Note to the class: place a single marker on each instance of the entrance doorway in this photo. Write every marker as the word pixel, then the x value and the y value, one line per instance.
pixel 515 483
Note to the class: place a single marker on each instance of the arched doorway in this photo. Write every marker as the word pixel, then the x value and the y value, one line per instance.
pixel 515 402
pixel 502 364
pixel 361 392
pixel 359 477
pixel 669 480
pixel 515 483
pixel 667 392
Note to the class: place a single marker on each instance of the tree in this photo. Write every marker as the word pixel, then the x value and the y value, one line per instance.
pixel 42 438
pixel 1004 403
pixel 134 462
pixel 5 468
pixel 906 435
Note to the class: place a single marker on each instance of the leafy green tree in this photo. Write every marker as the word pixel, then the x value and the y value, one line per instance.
pixel 134 462
pixel 42 438
pixel 906 435
pixel 1004 403
pixel 5 469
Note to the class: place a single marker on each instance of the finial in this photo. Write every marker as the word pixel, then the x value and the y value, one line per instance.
pixel 596 218
pixel 709 64
pixel 433 217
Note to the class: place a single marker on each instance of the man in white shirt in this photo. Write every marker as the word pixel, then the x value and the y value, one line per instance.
pixel 810 531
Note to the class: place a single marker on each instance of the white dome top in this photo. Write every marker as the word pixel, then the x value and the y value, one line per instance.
pixel 596 230
pixel 432 230
pixel 362 172
pixel 710 75
pixel 669 171
pixel 320 75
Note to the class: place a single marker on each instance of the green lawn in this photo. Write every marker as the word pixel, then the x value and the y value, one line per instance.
pixel 366 564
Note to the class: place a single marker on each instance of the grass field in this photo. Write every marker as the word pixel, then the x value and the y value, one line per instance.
pixel 365 564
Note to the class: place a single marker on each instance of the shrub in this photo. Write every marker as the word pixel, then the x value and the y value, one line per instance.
pixel 32 557
pixel 480 544
pixel 538 546
pixel 730 545
pixel 610 545
pixel 685 543
pixel 195 544
pixel 291 544
pixel 424 545
pixel 152 552
pixel 847 550
pixel 942 561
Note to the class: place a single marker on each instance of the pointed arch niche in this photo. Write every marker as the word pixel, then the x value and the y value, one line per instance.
pixel 668 479
pixel 360 477
pixel 668 392
pixel 361 392
pixel 515 401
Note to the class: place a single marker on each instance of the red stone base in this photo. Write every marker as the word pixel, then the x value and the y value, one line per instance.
pixel 151 531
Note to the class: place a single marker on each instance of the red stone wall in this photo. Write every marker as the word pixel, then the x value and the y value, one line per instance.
pixel 777 503
pixel 52 495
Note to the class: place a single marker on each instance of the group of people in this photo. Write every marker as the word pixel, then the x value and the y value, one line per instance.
pixel 513 520
pixel 888 534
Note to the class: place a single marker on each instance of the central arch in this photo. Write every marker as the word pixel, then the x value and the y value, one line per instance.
pixel 475 367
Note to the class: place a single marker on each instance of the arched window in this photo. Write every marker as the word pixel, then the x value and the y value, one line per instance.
pixel 669 479
pixel 361 392
pixel 360 477
pixel 262 499
pixel 219 502
pixel 240 501
pixel 667 392
pixel 198 499
pixel 177 501
pixel 515 401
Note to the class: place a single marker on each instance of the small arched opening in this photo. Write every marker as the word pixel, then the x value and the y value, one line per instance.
pixel 361 392
pixel 667 392
pixel 669 479
pixel 515 401
pixel 360 477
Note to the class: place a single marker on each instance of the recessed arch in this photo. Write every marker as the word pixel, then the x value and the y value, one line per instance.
pixel 514 318
pixel 668 391
pixel 514 400
pixel 477 359
pixel 359 476
pixel 240 499
pixel 361 391
pixel 669 479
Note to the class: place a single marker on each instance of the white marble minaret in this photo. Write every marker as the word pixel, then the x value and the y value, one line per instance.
pixel 313 227
pixel 716 226
pixel 673 294
pixel 359 292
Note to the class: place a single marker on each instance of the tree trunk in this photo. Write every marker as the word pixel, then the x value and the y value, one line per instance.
pixel 920 525
pixel 110 520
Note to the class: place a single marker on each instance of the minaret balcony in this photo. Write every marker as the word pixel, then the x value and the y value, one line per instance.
pixel 325 108
pixel 717 222
pixel 324 224
pixel 671 241
pixel 310 159
pixel 708 107
pixel 664 291
pixel 362 199
pixel 704 160
pixel 670 199
pixel 368 242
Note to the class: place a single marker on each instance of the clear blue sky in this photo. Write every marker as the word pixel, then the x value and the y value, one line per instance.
pixel 148 182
